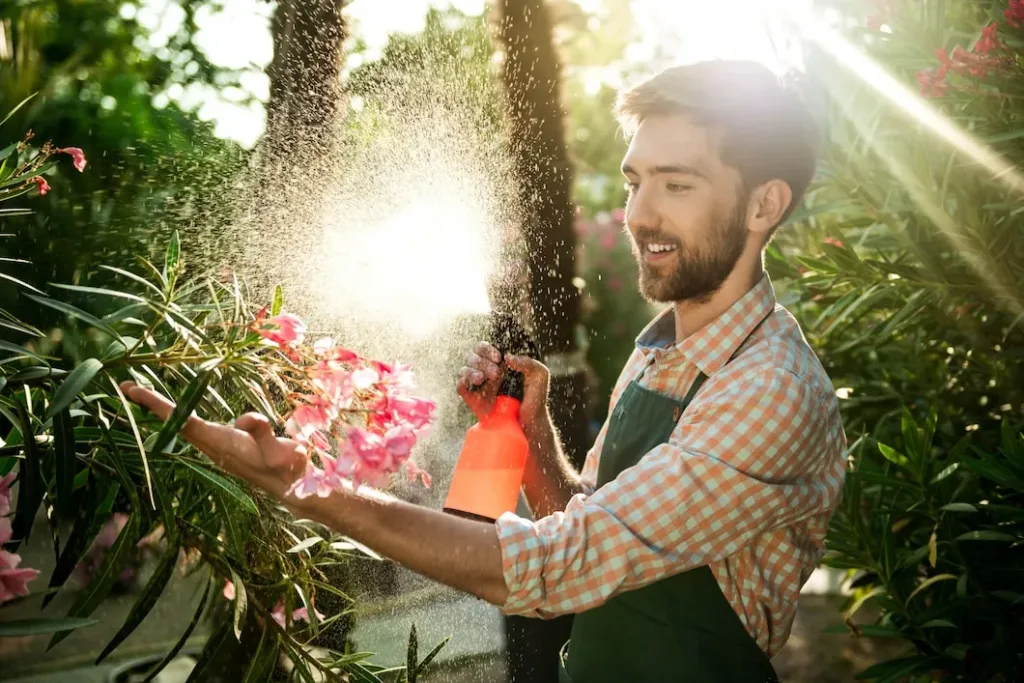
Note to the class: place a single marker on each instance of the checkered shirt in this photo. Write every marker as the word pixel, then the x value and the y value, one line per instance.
pixel 746 484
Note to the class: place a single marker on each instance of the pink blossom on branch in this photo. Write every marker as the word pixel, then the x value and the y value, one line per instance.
pixel 1015 13
pixel 41 184
pixel 5 493
pixel 77 157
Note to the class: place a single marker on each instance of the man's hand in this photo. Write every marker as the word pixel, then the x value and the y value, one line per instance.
pixel 462 553
pixel 480 378
pixel 249 449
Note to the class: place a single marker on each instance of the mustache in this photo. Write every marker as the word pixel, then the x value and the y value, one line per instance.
pixel 647 235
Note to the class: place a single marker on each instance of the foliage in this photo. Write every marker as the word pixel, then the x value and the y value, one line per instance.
pixel 102 79
pixel 82 451
pixel 906 275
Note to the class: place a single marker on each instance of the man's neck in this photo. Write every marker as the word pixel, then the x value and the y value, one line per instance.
pixel 691 316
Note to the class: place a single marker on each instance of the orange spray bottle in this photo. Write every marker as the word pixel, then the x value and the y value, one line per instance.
pixel 489 473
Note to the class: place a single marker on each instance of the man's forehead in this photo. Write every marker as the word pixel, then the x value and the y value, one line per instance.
pixel 671 140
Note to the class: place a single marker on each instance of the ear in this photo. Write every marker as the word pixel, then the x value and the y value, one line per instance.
pixel 768 203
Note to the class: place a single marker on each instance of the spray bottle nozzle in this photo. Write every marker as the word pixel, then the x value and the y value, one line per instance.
pixel 509 336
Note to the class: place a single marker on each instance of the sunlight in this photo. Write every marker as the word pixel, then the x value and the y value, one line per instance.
pixel 685 31
pixel 908 101
pixel 417 269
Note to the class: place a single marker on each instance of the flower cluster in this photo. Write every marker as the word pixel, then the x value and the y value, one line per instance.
pixel 13 581
pixel 298 614
pixel 355 417
pixel 31 169
pixel 976 62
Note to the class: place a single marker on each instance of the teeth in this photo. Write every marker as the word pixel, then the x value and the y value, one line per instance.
pixel 658 248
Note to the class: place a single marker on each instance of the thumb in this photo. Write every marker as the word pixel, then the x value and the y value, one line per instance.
pixel 533 370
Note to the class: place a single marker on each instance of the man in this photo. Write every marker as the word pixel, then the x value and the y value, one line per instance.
pixel 703 505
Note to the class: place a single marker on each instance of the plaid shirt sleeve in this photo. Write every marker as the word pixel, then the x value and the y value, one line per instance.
pixel 747 457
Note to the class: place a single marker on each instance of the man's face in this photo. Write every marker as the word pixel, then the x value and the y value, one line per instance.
pixel 684 214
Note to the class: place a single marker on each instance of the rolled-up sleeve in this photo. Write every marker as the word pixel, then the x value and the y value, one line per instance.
pixel 746 458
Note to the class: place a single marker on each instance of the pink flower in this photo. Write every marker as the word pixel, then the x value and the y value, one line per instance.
pixel 1015 13
pixel 608 240
pixel 77 157
pixel 364 378
pixel 933 83
pixel 229 590
pixel 300 614
pixel 41 183
pixel 417 413
pixel 284 330
pixel 307 419
pixel 989 41
pixel 5 493
pixel 326 348
pixel 13 581
pixel 619 215
pixel 313 483
pixel 833 241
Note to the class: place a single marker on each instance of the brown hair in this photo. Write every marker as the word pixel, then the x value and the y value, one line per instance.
pixel 767 132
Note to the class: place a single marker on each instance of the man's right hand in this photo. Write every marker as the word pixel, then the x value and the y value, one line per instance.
pixel 480 378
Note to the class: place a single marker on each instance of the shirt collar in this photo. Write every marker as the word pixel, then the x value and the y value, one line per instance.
pixel 711 347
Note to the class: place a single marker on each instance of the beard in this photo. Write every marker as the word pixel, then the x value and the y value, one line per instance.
pixel 699 269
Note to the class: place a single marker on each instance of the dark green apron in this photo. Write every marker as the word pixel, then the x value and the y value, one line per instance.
pixel 680 629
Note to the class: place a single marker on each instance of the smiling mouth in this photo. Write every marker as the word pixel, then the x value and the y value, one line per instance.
pixel 659 248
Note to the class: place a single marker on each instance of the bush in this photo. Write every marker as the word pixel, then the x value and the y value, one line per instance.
pixel 906 276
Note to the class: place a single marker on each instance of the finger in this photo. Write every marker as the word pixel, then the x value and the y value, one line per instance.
pixel 471 378
pixel 163 408
pixel 485 350
pixel 491 371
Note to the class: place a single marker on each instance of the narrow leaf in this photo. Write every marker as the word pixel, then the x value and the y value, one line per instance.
pixel 73 385
pixel 34 627
pixel 138 438
pixel 224 485
pixel 22 283
pixel 18 106
pixel 929 582
pixel 204 668
pixel 986 535
pixel 75 313
pixel 19 350
pixel 188 402
pixel 412 655
pixel 66 464
pixel 893 456
pixel 100 498
pixel 241 605
pixel 959 507
pixel 145 602
pixel 306 544
pixel 30 480
pixel 171 257
pixel 430 657
pixel 100 585
pixel 173 652
pixel 278 303
pixel 132 276
pixel 933 547
pixel 100 291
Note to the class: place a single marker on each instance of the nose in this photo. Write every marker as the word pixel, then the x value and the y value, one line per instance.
pixel 641 214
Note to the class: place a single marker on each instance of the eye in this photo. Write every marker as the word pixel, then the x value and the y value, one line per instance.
pixel 631 187
pixel 677 188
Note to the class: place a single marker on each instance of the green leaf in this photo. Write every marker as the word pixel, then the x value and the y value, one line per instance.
pixel 36 372
pixel 412 655
pixel 305 544
pixel 226 486
pixel 137 278
pixel 138 437
pixel 241 605
pixel 204 668
pixel 929 582
pixel 16 108
pixel 431 655
pixel 100 585
pixel 859 602
pixel 261 665
pixel 66 464
pixel 938 623
pixel 986 535
pixel 145 602
pixel 19 350
pixel 959 507
pixel 30 480
pixel 278 303
pixel 74 385
pixel 34 627
pixel 171 258
pixel 92 512
pixel 75 313
pixel 100 291
pixel 173 652
pixel 1009 596
pixel 893 456
pixel 894 669
pixel 945 473
pixel 189 400
pixel 911 437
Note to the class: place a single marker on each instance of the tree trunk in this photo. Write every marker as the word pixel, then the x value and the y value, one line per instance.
pixel 543 175
pixel 305 77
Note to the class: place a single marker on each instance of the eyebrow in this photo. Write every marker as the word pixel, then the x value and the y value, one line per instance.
pixel 671 169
